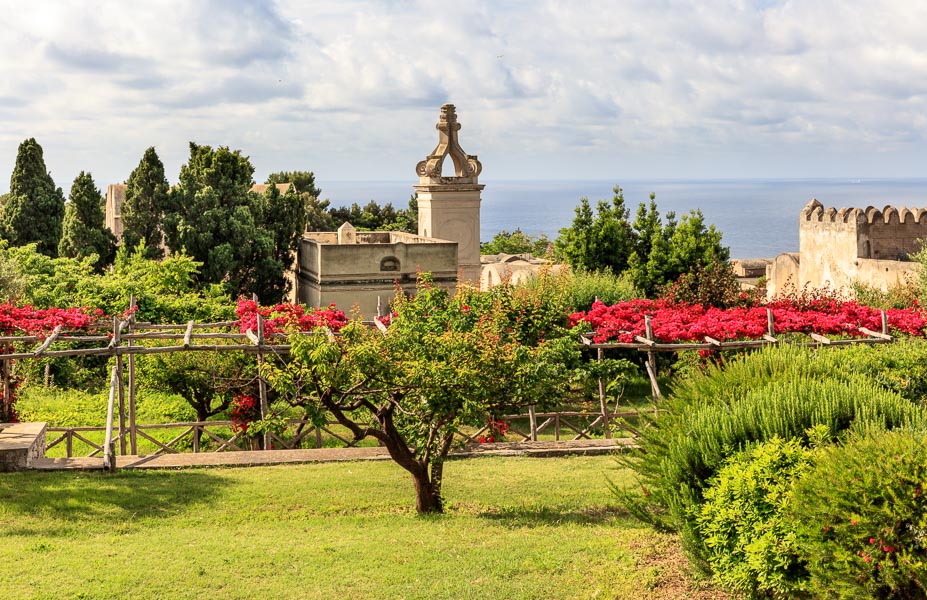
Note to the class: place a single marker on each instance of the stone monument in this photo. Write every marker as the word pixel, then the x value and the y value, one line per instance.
pixel 449 207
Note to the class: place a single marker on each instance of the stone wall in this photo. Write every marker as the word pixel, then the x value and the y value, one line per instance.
pixel 840 247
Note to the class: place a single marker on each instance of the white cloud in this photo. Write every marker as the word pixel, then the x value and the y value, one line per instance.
pixel 558 89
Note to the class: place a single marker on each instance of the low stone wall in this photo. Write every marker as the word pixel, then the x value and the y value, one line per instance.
pixel 20 445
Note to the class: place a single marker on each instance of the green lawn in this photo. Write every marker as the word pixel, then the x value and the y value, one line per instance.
pixel 515 528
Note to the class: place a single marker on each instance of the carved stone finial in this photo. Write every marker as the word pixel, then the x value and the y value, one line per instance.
pixel 466 166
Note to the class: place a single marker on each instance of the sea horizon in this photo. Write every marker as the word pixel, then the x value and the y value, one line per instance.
pixel 758 217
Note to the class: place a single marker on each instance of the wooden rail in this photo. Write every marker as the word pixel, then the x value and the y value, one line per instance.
pixel 128 337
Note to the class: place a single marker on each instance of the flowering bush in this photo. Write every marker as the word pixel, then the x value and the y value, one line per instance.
pixel 692 322
pixel 862 515
pixel 496 430
pixel 288 316
pixel 243 411
pixel 27 319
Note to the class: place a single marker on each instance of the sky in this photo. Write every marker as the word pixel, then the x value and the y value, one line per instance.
pixel 351 89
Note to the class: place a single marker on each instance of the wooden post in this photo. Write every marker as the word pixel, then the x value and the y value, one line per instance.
pixel 770 323
pixel 109 446
pixel 652 363
pixel 7 387
pixel 117 335
pixel 133 444
pixel 884 323
pixel 262 385
pixel 603 404
pixel 534 423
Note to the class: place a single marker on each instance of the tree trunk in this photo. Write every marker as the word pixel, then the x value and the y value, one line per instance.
pixel 427 495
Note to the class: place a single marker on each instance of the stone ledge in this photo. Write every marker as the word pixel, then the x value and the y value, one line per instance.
pixel 20 445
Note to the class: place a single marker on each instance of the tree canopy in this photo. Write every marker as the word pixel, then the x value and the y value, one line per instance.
pixel 441 364
pixel 654 252
pixel 144 204
pixel 243 240
pixel 516 242
pixel 373 217
pixel 34 208
pixel 303 181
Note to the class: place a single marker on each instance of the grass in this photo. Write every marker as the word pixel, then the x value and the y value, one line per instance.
pixel 515 528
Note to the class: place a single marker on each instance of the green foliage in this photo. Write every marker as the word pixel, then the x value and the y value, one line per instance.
pixel 442 364
pixel 143 208
pixel 34 209
pixel 773 393
pixel 601 241
pixel 244 241
pixel 576 290
pixel 750 538
pixel 303 181
pixel 900 367
pixel 653 252
pixel 374 217
pixel 711 284
pixel 516 242
pixel 862 514
pixel 165 291
pixel 84 235
pixel 206 380
pixel 12 281
pixel 318 217
pixel 904 295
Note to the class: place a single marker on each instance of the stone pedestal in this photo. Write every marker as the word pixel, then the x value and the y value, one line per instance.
pixel 20 445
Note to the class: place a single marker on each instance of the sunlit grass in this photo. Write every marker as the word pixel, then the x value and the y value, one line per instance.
pixel 515 528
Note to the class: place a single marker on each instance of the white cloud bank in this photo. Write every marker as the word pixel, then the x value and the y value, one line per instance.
pixel 351 89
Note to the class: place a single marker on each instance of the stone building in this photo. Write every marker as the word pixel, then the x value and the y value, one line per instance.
pixel 115 196
pixel 364 268
pixel 840 247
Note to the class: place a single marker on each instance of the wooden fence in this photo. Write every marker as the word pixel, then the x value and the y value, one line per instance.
pixel 128 336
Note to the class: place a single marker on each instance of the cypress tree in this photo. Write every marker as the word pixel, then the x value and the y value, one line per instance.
pixel 84 233
pixel 35 208
pixel 143 208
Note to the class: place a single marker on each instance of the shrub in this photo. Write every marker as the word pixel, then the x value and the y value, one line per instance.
pixel 580 288
pixel 751 543
pixel 719 415
pixel 862 512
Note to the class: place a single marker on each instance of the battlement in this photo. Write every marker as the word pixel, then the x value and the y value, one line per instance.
pixel 889 215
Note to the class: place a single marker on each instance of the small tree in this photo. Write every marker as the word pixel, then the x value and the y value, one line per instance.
pixel 440 366
pixel 516 242
pixel 84 233
pixel 34 209
pixel 303 181
pixel 143 208
pixel 603 241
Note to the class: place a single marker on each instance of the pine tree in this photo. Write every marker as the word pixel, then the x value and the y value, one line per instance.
pixel 244 240
pixel 84 233
pixel 143 208
pixel 34 210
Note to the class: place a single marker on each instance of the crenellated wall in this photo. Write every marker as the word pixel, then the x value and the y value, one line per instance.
pixel 840 247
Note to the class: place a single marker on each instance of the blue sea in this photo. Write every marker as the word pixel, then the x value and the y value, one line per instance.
pixel 758 218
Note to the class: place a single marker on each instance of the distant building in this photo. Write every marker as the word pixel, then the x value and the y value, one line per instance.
pixel 513 268
pixel 365 268
pixel 839 247
pixel 115 196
